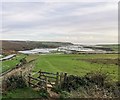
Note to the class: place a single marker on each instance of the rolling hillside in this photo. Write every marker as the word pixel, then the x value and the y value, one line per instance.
pixel 12 46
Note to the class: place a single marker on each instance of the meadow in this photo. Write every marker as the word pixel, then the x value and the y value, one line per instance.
pixel 78 64
pixel 8 64
pixel 73 64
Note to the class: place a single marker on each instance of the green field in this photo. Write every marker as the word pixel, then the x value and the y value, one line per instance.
pixel 31 57
pixel 26 93
pixel 8 64
pixel 74 64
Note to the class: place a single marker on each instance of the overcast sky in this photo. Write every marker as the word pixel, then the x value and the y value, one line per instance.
pixel 76 22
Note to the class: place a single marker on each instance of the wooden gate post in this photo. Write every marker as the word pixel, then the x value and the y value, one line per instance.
pixel 57 79
pixel 20 73
pixel 65 77
pixel 61 77
pixel 29 79
pixel 46 82
pixel 40 74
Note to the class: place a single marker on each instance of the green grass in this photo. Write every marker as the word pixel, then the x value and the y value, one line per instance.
pixel 65 63
pixel 68 63
pixel 31 57
pixel 8 64
pixel 22 93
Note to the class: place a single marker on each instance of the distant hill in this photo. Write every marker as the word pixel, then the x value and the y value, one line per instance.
pixel 114 47
pixel 8 45
pixel 107 47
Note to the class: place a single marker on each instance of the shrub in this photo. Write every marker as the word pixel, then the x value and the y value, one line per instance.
pixel 14 82
pixel 64 95
pixel 44 93
pixel 93 84
pixel 97 78
pixel 73 82
pixel 56 89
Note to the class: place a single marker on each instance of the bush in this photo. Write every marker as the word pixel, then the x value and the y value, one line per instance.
pixel 93 83
pixel 14 82
pixel 73 82
pixel 98 78
pixel 64 95
pixel 56 89
pixel 44 94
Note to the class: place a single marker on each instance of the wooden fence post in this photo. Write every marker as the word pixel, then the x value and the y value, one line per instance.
pixel 40 74
pixel 65 77
pixel 46 82
pixel 20 73
pixel 57 79
pixel 29 79
pixel 61 77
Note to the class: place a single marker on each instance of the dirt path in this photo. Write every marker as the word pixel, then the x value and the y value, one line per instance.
pixel 53 94
pixel 25 69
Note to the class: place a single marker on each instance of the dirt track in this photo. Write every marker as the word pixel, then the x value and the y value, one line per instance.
pixel 24 70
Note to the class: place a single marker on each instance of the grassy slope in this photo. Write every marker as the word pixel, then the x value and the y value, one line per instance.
pixel 8 64
pixel 27 45
pixel 64 63
pixel 31 57
pixel 67 63
pixel 22 93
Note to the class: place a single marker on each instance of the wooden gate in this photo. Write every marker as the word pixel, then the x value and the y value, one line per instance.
pixel 46 80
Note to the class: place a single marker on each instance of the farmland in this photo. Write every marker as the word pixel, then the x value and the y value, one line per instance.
pixel 76 64
pixel 73 64
pixel 8 64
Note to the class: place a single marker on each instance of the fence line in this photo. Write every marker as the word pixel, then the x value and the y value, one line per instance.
pixel 17 66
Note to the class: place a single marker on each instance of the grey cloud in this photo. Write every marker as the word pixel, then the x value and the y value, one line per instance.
pixel 60 21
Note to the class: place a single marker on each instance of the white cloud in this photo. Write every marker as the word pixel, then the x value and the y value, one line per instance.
pixel 60 0
pixel 96 9
pixel 74 22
